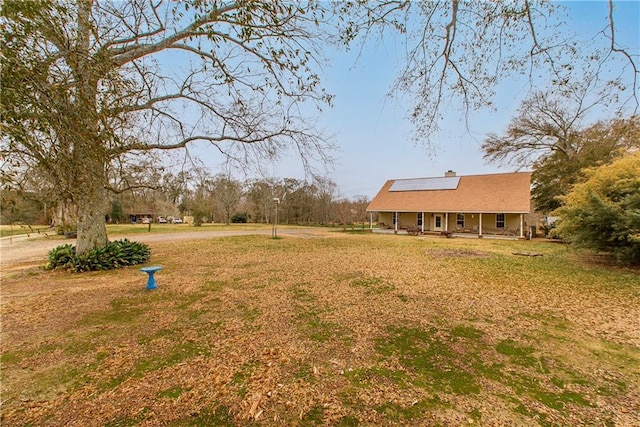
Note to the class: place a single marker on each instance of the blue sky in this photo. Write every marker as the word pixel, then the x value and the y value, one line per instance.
pixel 374 138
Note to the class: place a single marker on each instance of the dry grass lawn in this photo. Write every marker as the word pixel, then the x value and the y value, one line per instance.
pixel 343 330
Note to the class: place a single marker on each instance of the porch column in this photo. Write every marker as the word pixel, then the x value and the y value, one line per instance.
pixel 370 220
pixel 422 222
pixel 480 225
pixel 521 226
pixel 395 226
pixel 446 221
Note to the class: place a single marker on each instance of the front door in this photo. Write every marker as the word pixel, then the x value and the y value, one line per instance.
pixel 437 222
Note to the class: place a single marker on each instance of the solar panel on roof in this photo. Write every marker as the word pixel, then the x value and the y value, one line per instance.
pixel 425 184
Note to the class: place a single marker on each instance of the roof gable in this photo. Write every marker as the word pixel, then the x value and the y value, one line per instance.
pixel 504 192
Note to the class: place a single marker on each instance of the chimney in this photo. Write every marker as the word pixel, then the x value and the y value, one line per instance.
pixel 449 173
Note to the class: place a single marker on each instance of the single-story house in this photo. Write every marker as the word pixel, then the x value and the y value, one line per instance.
pixel 479 204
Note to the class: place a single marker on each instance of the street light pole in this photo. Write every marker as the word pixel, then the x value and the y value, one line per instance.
pixel 274 232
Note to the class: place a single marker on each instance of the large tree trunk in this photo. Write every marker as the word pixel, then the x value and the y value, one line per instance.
pixel 92 229
pixel 89 147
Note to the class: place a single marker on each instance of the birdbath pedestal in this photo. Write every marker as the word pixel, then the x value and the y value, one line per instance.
pixel 151 282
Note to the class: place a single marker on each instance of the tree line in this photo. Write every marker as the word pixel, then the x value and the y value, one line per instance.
pixel 206 197
pixel 220 198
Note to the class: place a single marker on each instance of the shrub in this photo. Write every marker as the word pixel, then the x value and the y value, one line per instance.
pixel 61 257
pixel 239 218
pixel 603 213
pixel 65 229
pixel 116 254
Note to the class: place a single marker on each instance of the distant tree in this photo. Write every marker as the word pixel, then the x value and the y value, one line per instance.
pixel 239 218
pixel 299 202
pixel 360 204
pixel 343 212
pixel 199 200
pixel 260 195
pixel 325 193
pixel 174 186
pixel 544 124
pixel 19 207
pixel 227 194
pixel 603 213
pixel 117 214
pixel 554 174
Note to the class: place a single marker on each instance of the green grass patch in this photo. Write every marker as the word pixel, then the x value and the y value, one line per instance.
pixel 522 355
pixel 166 358
pixel 127 421
pixel 367 377
pixel 25 229
pixel 469 332
pixel 179 353
pixel 536 389
pixel 433 363
pixel 315 329
pixel 9 357
pixel 171 393
pixel 313 417
pixel 249 314
pixel 372 285
pixel 124 310
pixel 416 410
pixel 348 421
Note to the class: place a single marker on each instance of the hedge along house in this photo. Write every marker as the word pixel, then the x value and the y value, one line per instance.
pixel 494 204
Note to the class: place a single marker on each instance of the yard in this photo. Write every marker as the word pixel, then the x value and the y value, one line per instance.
pixel 332 329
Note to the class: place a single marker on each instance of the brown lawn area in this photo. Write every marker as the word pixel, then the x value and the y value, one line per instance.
pixel 339 329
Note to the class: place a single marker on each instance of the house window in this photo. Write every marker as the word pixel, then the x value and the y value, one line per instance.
pixel 419 219
pixel 500 220
pixel 460 220
pixel 394 218
pixel 438 221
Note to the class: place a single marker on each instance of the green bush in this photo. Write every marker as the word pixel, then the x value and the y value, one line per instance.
pixel 65 228
pixel 61 257
pixel 239 218
pixel 116 254
pixel 603 213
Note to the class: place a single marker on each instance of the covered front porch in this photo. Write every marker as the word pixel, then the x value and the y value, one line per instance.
pixel 478 224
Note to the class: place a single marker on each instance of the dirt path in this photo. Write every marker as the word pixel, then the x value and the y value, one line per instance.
pixel 22 251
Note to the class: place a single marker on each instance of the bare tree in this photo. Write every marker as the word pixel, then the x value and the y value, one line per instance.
pixel 458 51
pixel 544 123
pixel 227 194
pixel 260 195
pixel 90 81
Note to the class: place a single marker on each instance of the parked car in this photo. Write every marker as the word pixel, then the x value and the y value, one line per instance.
pixel 162 220
pixel 146 220
pixel 176 221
